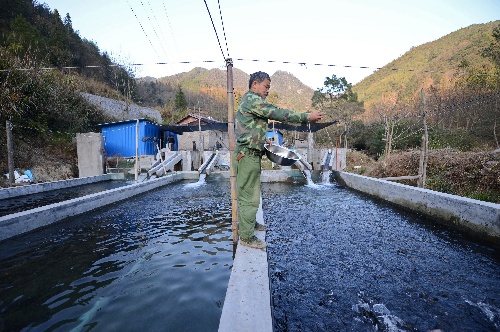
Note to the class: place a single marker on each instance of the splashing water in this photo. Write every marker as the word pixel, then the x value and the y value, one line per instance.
pixel 491 312
pixel 325 176
pixel 379 316
pixel 201 181
pixel 310 183
pixel 307 175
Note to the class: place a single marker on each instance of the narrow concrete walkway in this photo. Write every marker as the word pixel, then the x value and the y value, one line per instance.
pixel 247 306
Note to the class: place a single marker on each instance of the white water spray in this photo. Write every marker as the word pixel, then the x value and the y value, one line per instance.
pixel 325 176
pixel 201 181
pixel 307 175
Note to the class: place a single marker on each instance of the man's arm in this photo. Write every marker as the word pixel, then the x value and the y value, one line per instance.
pixel 315 116
pixel 259 107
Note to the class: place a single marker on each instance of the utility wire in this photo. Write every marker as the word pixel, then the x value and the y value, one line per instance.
pixel 215 30
pixel 152 26
pixel 143 30
pixel 171 30
pixel 254 60
pixel 158 24
pixel 223 30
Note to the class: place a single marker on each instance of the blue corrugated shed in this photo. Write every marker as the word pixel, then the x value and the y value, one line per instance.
pixel 120 137
pixel 270 136
pixel 167 141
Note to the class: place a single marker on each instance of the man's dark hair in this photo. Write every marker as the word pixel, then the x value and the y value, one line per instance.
pixel 259 77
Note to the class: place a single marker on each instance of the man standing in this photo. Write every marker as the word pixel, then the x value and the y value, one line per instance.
pixel 250 129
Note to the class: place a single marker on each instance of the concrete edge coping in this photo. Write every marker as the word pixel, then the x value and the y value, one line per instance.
pixel 25 221
pixel 477 217
pixel 282 175
pixel 247 306
pixel 29 189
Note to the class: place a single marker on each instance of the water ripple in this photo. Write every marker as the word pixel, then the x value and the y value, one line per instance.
pixel 342 261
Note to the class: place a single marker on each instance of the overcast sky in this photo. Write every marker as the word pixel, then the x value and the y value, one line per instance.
pixel 355 33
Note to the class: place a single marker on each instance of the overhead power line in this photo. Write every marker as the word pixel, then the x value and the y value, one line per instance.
pixel 152 26
pixel 223 30
pixel 147 37
pixel 158 25
pixel 215 30
pixel 170 26
pixel 305 64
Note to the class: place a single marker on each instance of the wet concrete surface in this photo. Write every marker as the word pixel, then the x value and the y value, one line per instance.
pixel 343 261
pixel 27 202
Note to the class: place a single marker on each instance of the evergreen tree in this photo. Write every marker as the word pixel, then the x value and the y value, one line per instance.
pixel 180 102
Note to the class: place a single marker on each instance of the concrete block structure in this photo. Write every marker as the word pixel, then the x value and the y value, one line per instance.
pixel 91 159
pixel 120 138
pixel 201 140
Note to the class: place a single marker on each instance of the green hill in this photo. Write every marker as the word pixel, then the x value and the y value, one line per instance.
pixel 207 89
pixel 438 63
pixel 288 91
pixel 435 63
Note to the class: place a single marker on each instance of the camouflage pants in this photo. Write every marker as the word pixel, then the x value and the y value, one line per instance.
pixel 247 171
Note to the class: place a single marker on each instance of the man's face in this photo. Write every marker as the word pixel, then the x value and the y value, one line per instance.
pixel 261 88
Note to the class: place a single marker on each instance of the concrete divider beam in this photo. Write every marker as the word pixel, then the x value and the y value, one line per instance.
pixel 478 217
pixel 47 186
pixel 25 221
pixel 247 306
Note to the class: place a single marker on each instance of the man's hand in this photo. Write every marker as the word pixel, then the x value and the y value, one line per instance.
pixel 315 116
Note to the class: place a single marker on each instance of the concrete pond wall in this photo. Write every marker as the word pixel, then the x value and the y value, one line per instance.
pixel 474 216
pixel 478 217
pixel 25 221
pixel 247 305
pixel 13 192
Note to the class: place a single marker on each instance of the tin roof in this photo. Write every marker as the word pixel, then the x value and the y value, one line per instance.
pixel 191 117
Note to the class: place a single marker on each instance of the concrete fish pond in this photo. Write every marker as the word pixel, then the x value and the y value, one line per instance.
pixel 342 261
pixel 27 202
pixel 159 261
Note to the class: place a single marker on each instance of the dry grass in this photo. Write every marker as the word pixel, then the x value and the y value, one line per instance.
pixel 469 174
pixel 359 163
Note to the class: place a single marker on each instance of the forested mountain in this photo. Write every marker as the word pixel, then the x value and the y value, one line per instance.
pixel 38 36
pixel 439 63
pixel 41 38
pixel 449 87
pixel 207 89
pixel 44 65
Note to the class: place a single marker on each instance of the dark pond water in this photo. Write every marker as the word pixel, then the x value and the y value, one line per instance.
pixel 23 203
pixel 158 262
pixel 342 261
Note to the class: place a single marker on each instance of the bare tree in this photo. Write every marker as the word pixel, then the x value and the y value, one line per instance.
pixel 392 112
pixel 339 102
